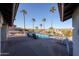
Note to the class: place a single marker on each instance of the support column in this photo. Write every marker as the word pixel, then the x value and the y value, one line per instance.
pixel 1 22
pixel 3 35
pixel 4 32
pixel 0 41
pixel 75 23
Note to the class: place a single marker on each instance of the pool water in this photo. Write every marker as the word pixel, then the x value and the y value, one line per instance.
pixel 41 35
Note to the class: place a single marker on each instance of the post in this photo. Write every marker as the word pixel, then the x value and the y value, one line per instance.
pixel 3 34
pixel 75 23
pixel 1 22
pixel 4 31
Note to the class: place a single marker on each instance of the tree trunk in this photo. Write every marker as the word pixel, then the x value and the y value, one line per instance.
pixel 24 24
pixel 33 26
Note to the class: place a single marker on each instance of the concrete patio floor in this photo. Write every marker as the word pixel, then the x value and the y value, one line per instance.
pixel 24 46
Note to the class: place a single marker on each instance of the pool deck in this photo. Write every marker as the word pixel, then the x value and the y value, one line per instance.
pixel 24 46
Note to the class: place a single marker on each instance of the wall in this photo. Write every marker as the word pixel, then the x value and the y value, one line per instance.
pixel 75 38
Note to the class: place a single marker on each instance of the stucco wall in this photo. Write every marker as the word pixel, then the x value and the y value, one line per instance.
pixel 1 18
pixel 75 23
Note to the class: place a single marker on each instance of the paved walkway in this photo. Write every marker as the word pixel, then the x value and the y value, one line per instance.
pixel 23 46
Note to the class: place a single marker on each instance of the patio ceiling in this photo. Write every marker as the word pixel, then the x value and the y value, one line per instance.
pixel 66 10
pixel 7 11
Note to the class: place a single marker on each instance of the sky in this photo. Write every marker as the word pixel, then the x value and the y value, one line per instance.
pixel 40 11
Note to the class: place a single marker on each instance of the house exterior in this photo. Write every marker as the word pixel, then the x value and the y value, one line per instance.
pixel 67 11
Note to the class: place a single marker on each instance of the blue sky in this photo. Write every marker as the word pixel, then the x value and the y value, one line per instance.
pixel 40 11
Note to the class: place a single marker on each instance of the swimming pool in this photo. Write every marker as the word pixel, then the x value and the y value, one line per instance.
pixel 37 35
pixel 41 36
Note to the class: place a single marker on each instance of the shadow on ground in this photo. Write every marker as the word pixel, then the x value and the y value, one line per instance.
pixel 24 46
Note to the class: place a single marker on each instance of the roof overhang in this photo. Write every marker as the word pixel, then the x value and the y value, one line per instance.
pixel 66 10
pixel 8 11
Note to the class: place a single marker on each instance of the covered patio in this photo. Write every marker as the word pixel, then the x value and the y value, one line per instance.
pixel 7 15
pixel 67 11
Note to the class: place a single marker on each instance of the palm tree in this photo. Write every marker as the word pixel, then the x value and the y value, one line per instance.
pixel 24 12
pixel 33 19
pixel 44 20
pixel 41 26
pixel 52 9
